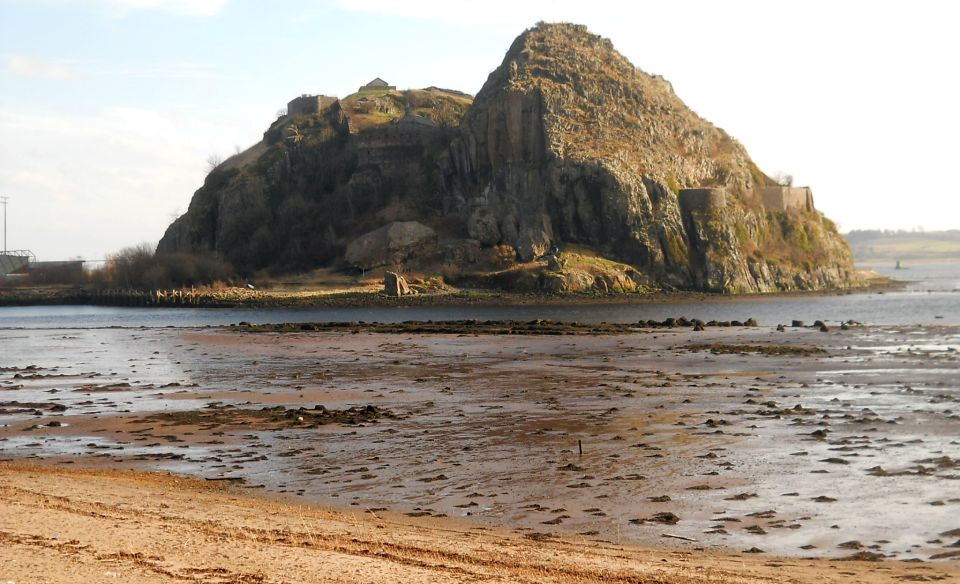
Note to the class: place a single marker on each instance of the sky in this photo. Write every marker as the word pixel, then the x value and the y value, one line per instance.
pixel 110 109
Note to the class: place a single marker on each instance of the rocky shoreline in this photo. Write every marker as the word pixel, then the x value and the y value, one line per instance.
pixel 237 297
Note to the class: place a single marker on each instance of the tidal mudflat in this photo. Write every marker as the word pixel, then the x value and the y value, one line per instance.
pixel 795 442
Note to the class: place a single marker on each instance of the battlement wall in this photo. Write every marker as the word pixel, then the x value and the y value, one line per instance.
pixel 702 200
pixel 787 198
pixel 396 143
pixel 309 104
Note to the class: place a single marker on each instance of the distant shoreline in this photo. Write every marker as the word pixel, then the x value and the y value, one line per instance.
pixel 906 260
pixel 363 298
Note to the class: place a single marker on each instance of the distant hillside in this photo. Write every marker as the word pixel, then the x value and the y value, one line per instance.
pixel 875 244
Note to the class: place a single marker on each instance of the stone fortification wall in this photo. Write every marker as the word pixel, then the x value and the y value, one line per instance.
pixel 787 198
pixel 309 104
pixel 396 143
pixel 702 200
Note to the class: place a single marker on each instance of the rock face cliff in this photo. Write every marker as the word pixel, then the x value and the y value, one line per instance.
pixel 567 144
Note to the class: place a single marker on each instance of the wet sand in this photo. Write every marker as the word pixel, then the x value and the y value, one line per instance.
pixel 802 443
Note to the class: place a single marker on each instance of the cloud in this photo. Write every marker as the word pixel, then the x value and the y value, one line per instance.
pixel 39 67
pixel 32 67
pixel 123 8
pixel 177 7
pixel 467 12
pixel 162 71
pixel 89 184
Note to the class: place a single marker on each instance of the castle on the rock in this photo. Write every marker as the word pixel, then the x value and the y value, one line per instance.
pixel 313 104
pixel 377 85
pixel 706 200
pixel 309 104
pixel 787 198
pixel 384 145
pixel 778 198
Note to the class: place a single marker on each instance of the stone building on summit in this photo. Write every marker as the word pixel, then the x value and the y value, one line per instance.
pixel 377 85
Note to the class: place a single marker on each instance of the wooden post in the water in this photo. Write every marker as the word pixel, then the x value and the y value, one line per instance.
pixel 580 446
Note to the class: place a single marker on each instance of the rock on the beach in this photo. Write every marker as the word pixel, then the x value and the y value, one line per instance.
pixel 395 285
pixel 664 517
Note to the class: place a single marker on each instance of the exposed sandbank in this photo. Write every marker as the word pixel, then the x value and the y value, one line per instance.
pixel 59 525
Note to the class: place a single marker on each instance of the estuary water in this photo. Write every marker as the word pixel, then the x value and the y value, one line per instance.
pixel 931 296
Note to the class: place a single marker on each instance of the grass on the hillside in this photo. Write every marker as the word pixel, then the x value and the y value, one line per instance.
pixel 584 259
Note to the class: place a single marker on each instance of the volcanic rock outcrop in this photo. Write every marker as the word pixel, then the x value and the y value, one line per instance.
pixel 566 146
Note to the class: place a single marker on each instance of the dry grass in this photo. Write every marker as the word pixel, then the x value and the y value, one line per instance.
pixel 584 259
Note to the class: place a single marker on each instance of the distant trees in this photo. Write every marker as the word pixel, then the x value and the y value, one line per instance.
pixel 126 268
pixel 139 267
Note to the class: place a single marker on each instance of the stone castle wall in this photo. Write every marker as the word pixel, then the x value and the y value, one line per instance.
pixel 787 198
pixel 396 143
pixel 309 104
pixel 702 200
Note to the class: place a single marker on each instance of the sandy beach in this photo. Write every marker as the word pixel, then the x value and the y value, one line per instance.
pixel 60 525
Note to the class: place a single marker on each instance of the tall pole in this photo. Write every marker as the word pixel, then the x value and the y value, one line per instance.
pixel 3 201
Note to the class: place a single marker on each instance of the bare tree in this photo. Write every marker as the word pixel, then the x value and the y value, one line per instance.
pixel 784 179
pixel 213 162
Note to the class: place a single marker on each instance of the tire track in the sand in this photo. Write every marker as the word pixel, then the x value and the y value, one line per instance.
pixel 77 550
pixel 478 564
pixel 216 532
pixel 476 557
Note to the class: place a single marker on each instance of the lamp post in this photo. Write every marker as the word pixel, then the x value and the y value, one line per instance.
pixel 3 201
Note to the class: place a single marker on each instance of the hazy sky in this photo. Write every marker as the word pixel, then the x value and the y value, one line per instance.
pixel 109 109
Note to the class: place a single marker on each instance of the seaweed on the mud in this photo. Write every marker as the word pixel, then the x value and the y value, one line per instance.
pixel 15 407
pixel 770 350
pixel 227 415
pixel 487 327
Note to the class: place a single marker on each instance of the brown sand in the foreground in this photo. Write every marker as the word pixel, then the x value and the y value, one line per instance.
pixel 60 525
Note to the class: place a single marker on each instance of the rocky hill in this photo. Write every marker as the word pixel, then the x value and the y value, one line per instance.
pixel 566 146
